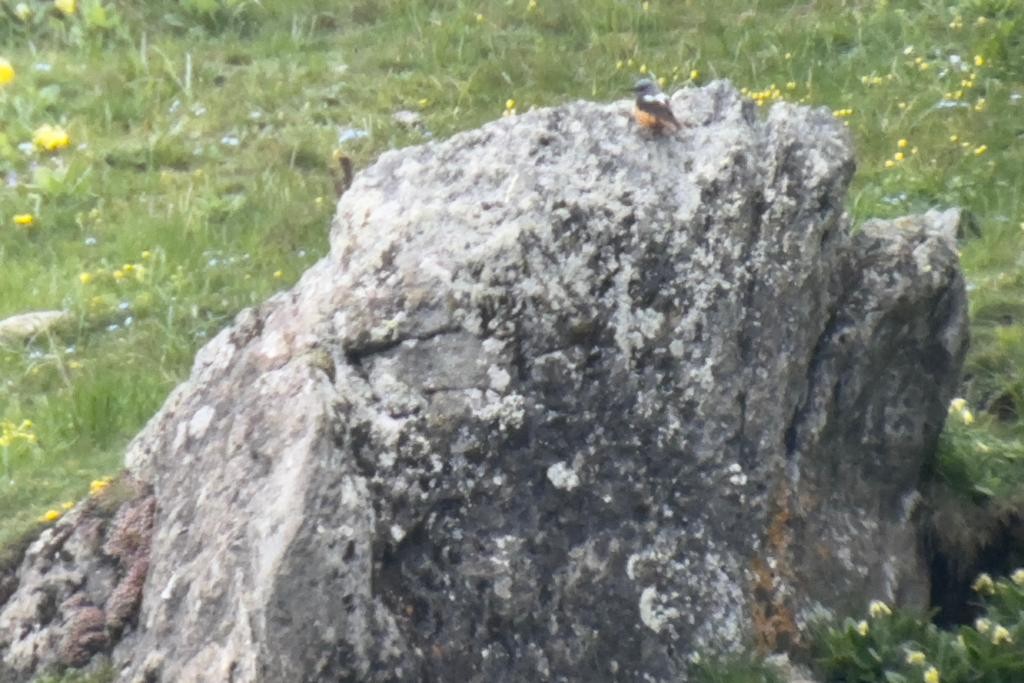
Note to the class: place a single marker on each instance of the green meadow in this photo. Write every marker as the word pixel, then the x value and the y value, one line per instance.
pixel 166 164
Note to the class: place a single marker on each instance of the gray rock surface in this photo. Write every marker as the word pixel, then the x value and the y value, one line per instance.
pixel 565 402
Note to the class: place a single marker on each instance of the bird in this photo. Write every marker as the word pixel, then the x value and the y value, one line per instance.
pixel 653 110
pixel 340 167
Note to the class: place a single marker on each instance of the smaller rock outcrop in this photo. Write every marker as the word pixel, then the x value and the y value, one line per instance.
pixel 79 583
pixel 27 325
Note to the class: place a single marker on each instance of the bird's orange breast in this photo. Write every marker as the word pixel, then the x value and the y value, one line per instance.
pixel 647 119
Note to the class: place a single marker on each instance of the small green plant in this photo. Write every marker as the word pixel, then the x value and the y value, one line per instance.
pixel 103 674
pixel 70 22
pixel 979 460
pixel 15 439
pixel 900 647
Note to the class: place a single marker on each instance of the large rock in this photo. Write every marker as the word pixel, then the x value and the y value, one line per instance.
pixel 566 401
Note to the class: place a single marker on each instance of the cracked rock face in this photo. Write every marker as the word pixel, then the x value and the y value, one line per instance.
pixel 566 401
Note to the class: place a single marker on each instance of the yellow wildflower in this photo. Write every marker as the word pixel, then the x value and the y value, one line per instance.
pixel 931 675
pixel 1001 635
pixel 147 254
pixel 643 68
pixel 694 75
pixel 982 625
pixel 980 149
pixel 791 85
pixel 11 433
pixel 67 505
pixel 915 657
pixel 980 105
pixel 954 138
pixel 23 219
pixel 983 584
pixel 959 406
pixel 50 516
pixel 877 608
pixel 899 156
pixel 479 18
pixel 862 628
pixel 98 486
pixel 889 163
pixel 278 274
pixel 119 275
pixel 788 56
pixel 51 138
pixel 6 72
pixel 85 278
pixel 1018 577
pixel 979 61
pixel 66 7
pixel 532 5
pixel 619 64
pixel 902 143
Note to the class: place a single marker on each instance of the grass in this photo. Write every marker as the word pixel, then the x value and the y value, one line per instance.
pixel 104 674
pixel 199 177
pixel 742 668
